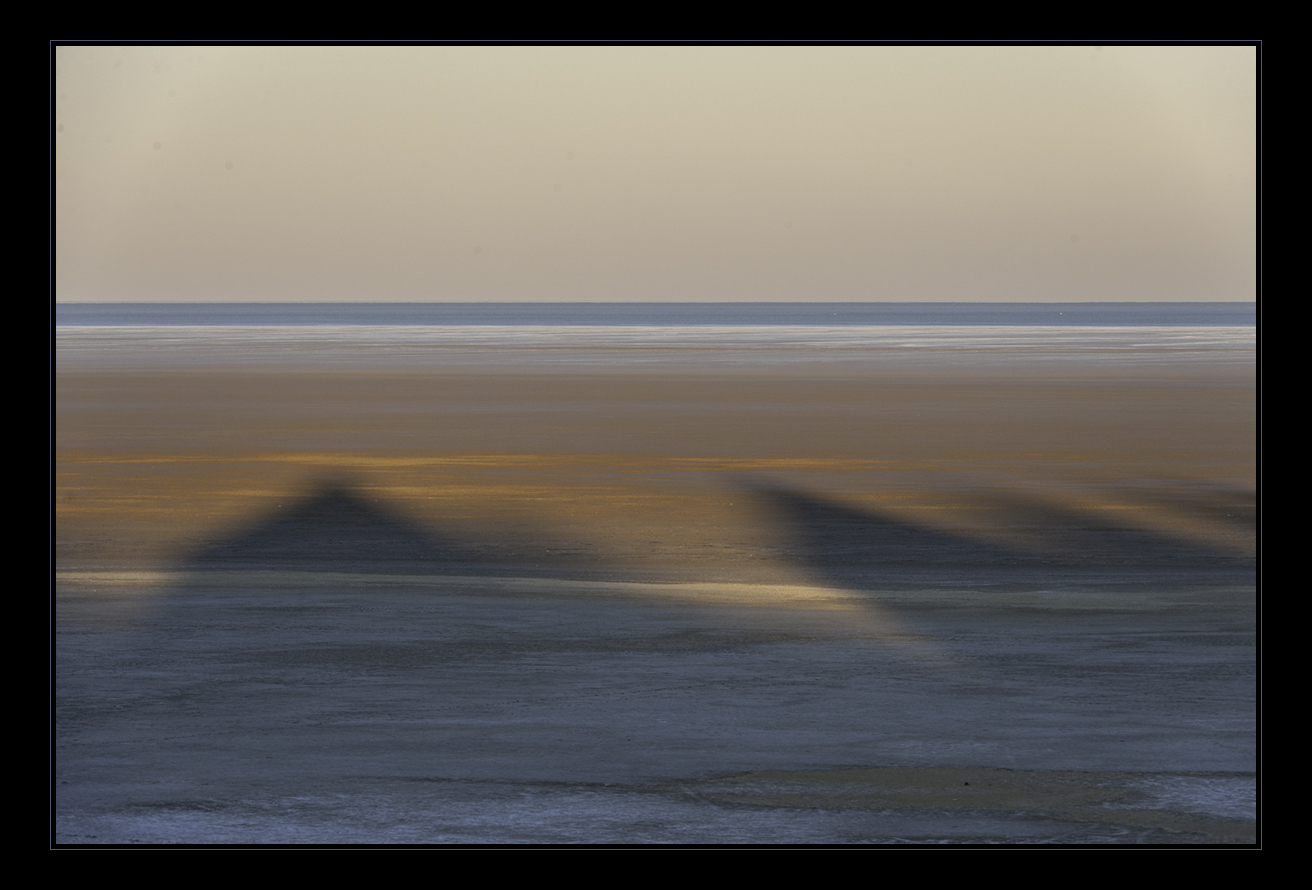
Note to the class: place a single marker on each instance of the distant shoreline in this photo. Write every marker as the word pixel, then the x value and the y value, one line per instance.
pixel 1127 314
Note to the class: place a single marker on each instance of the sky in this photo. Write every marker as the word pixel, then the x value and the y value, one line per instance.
pixel 694 173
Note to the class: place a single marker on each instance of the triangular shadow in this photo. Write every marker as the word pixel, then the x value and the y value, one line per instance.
pixel 336 527
pixel 342 527
pixel 865 548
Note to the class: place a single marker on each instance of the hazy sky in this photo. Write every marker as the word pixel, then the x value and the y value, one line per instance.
pixel 648 173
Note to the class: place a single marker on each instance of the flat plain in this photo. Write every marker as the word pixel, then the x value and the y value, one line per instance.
pixel 592 600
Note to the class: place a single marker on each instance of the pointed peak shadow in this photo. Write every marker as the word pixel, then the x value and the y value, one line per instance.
pixel 850 546
pixel 340 525
pixel 859 546
pixel 336 526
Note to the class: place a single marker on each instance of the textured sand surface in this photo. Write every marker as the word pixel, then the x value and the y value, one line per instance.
pixel 681 604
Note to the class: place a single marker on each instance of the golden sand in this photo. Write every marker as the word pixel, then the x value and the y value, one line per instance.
pixel 659 475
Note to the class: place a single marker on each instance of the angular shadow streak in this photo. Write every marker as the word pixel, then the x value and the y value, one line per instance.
pixel 863 548
pixel 340 527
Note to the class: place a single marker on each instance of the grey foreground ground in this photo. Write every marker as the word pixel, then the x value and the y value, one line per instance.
pixel 299 707
pixel 980 590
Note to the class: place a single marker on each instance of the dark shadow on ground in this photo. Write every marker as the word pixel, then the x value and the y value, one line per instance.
pixel 341 527
pixel 844 545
